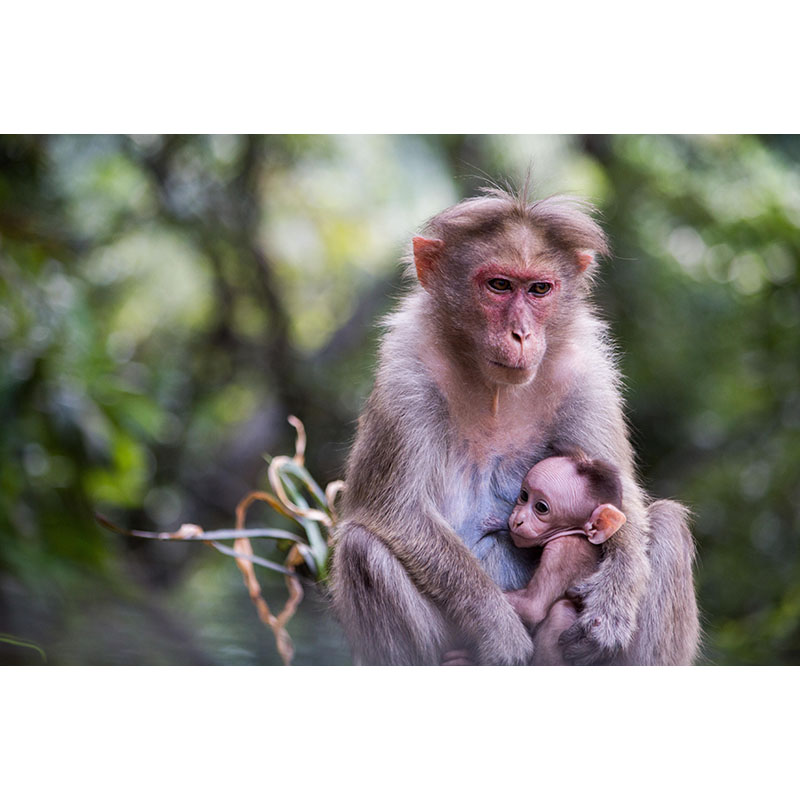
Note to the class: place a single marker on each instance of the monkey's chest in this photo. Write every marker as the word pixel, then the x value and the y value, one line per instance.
pixel 478 501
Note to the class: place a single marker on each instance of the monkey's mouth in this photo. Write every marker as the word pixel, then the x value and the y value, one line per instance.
pixel 524 540
pixel 519 367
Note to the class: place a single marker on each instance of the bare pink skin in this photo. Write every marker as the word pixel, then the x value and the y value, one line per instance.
pixel 555 510
pixel 516 301
pixel 570 510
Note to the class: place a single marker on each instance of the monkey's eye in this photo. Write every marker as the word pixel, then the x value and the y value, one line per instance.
pixel 541 507
pixel 499 285
pixel 540 288
pixel 523 496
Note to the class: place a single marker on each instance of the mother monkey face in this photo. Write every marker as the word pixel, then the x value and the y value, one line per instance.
pixel 497 299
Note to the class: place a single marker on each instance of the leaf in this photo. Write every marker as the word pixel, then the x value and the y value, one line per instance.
pixel 8 639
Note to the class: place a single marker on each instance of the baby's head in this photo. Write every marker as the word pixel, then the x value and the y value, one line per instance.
pixel 572 493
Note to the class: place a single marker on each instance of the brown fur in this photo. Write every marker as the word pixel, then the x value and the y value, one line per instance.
pixel 419 560
pixel 604 480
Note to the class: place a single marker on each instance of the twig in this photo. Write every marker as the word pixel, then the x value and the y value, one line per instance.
pixel 189 532
pixel 284 476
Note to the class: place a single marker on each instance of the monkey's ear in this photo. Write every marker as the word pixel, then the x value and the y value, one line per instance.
pixel 587 260
pixel 605 521
pixel 426 257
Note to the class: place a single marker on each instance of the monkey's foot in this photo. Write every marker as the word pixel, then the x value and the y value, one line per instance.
pixel 457 658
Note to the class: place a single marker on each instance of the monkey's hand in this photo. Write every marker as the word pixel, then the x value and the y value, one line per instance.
pixel 605 624
pixel 505 641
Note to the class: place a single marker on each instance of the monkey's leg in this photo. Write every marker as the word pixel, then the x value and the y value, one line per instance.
pixel 668 630
pixel 564 562
pixel 384 616
pixel 547 651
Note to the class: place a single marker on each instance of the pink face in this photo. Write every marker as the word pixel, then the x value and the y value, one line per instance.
pixel 553 498
pixel 515 298
pixel 515 286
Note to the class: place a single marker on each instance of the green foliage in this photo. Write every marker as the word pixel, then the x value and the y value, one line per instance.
pixel 165 302
pixel 14 642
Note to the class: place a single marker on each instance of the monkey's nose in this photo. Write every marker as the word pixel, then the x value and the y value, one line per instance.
pixel 520 335
pixel 518 523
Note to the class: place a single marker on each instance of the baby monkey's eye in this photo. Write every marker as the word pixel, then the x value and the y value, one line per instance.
pixel 542 507
pixel 523 496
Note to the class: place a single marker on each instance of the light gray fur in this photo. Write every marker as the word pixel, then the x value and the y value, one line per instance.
pixel 422 553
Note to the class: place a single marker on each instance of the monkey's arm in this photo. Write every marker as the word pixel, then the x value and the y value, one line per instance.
pixel 446 571
pixel 564 562
pixel 391 485
pixel 609 599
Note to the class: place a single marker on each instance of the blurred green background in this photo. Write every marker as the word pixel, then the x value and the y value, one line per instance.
pixel 166 302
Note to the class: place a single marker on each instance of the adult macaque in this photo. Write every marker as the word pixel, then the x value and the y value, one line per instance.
pixel 492 363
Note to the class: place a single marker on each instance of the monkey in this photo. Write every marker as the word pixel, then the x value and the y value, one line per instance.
pixel 567 505
pixel 495 360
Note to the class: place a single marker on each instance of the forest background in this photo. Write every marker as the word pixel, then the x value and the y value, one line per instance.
pixel 166 302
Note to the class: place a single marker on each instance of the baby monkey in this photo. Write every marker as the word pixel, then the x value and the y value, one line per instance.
pixel 567 505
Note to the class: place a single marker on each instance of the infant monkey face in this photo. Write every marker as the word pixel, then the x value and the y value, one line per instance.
pixel 525 524
pixel 552 497
pixel 555 500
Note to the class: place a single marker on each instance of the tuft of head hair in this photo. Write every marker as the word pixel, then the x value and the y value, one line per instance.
pixel 568 222
pixel 605 483
pixel 603 478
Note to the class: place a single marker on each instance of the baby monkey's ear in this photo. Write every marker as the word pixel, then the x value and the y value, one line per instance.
pixel 605 521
